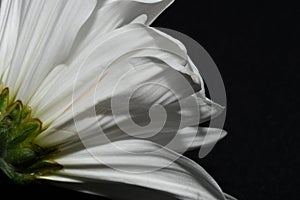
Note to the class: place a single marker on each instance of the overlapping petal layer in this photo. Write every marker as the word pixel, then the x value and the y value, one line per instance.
pixel 98 77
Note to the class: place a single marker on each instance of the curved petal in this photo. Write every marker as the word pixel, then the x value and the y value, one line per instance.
pixel 139 163
pixel 113 190
pixel 88 121
pixel 10 16
pixel 98 65
pixel 112 14
pixel 99 125
pixel 45 34
pixel 190 138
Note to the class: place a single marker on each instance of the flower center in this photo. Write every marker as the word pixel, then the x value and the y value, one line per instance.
pixel 20 158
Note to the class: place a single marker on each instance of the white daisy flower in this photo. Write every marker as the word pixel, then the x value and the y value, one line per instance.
pixel 67 67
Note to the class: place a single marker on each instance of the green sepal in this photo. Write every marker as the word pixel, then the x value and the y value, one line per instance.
pixel 4 99
pixel 5 126
pixel 20 158
pixel 25 114
pixel 43 167
pixel 25 132
pixel 14 111
pixel 20 155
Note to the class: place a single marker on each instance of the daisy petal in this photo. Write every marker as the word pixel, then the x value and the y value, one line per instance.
pixel 190 138
pixel 147 92
pixel 185 112
pixel 137 124
pixel 10 16
pixel 112 14
pixel 97 66
pixel 140 163
pixel 46 33
pixel 113 190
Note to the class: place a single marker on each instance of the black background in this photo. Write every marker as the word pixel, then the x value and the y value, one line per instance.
pixel 256 48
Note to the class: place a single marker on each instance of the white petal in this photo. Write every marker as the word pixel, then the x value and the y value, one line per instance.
pixel 204 137
pixel 190 138
pixel 87 121
pixel 47 84
pixel 140 163
pixel 106 127
pixel 57 137
pixel 60 178
pixel 208 109
pixel 115 191
pixel 99 125
pixel 46 33
pixel 10 16
pixel 112 14
pixel 93 67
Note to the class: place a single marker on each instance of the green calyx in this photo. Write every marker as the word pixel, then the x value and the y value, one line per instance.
pixel 20 158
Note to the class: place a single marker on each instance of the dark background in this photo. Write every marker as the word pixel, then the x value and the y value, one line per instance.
pixel 256 48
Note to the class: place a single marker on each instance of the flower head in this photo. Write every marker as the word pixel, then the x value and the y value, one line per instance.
pixel 94 99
